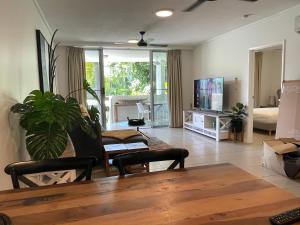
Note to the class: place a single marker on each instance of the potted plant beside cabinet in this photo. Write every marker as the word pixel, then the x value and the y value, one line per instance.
pixel 238 114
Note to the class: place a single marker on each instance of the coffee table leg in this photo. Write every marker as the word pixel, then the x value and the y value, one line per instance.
pixel 106 161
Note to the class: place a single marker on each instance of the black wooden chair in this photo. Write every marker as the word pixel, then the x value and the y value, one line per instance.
pixel 143 157
pixel 4 219
pixel 86 146
pixel 19 169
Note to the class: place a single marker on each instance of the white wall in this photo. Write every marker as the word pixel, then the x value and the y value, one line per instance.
pixel 270 75
pixel 18 73
pixel 228 54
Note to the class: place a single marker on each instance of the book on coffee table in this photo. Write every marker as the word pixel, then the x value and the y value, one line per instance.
pixel 125 147
pixel 137 145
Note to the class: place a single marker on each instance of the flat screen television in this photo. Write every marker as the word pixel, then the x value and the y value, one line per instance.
pixel 208 94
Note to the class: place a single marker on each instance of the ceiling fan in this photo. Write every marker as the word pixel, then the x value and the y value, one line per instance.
pixel 200 2
pixel 143 43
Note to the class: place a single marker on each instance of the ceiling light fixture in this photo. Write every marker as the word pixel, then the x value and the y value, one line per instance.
pixel 119 43
pixel 133 41
pixel 248 15
pixel 164 13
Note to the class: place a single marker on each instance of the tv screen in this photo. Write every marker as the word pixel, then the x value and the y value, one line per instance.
pixel 208 94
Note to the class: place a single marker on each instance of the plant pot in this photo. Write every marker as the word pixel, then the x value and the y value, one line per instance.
pixel 236 125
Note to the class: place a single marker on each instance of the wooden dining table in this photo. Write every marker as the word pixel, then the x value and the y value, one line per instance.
pixel 214 194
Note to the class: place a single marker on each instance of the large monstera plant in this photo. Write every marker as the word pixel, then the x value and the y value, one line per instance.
pixel 46 117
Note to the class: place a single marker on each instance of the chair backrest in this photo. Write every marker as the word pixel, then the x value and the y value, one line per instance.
pixel 176 154
pixel 4 219
pixel 140 107
pixel 85 145
pixel 19 169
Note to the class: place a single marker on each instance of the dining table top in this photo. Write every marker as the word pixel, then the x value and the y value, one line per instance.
pixel 213 194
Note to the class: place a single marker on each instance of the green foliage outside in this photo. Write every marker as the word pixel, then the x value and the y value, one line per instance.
pixel 127 78
pixel 89 69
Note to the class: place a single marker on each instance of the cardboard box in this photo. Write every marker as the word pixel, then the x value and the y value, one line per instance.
pixel 273 153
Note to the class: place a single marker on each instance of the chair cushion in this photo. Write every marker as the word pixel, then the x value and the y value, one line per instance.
pixel 121 134
pixel 134 139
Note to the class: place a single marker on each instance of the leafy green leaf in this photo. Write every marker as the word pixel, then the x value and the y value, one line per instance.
pixel 88 88
pixel 86 126
pixel 238 112
pixel 46 142
pixel 20 108
pixel 94 113
pixel 46 118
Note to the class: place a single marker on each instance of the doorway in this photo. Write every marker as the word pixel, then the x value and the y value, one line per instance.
pixel 267 66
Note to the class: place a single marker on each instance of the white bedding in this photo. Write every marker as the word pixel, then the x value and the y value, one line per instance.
pixel 265 118
pixel 266 113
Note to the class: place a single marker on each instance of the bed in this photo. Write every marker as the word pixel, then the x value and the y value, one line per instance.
pixel 265 119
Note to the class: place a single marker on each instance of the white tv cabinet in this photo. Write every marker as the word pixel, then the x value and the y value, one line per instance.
pixel 214 125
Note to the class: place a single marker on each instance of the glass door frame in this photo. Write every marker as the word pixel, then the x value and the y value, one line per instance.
pixel 152 85
pixel 102 84
pixel 102 88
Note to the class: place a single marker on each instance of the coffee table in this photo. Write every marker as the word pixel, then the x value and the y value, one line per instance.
pixel 116 149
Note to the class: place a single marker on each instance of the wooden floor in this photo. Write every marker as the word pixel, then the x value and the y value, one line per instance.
pixel 217 194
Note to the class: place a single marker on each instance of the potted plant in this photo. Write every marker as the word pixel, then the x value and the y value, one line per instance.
pixel 47 118
pixel 238 114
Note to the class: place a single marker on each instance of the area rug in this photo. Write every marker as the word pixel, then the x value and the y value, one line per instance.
pixel 155 143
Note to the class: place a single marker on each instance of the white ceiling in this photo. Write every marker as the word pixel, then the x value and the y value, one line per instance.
pixel 108 21
pixel 111 55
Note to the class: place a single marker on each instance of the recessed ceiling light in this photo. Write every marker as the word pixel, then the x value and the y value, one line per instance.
pixel 164 13
pixel 133 41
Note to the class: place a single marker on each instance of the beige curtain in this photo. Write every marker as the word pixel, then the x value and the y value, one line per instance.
pixel 257 78
pixel 175 88
pixel 76 74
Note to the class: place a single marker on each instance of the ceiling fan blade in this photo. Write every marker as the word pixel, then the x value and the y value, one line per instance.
pixel 159 45
pixel 195 5
pixel 249 0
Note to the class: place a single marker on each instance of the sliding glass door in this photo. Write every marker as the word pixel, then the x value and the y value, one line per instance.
pixel 94 71
pixel 159 89
pixel 131 84
pixel 127 86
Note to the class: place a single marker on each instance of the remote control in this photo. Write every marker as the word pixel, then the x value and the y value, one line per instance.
pixel 286 218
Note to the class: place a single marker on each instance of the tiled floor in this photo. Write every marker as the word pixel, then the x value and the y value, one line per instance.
pixel 204 150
